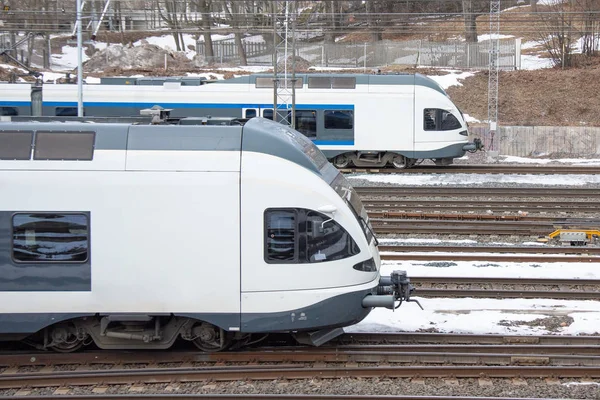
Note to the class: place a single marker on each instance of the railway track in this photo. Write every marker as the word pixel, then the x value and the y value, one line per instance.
pixel 512 357
pixel 480 169
pixel 474 227
pixel 486 287
pixel 354 355
pixel 481 206
pixel 443 191
pixel 553 250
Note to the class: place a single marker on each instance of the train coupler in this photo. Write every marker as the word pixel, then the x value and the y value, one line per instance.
pixel 392 291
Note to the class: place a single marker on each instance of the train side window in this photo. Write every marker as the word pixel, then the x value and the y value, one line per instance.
pixel 9 111
pixel 435 119
pixel 337 119
pixel 429 117
pixel 268 113
pixel 280 227
pixel 66 112
pixel 326 240
pixel 250 113
pixel 305 236
pixel 50 237
pixel 306 122
pixel 449 121
pixel 64 145
pixel 15 145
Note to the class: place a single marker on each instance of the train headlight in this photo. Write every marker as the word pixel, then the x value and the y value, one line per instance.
pixel 366 266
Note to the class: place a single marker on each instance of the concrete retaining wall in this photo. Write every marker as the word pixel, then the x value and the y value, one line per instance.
pixel 524 141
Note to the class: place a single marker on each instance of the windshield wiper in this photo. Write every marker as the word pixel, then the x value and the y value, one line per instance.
pixel 370 230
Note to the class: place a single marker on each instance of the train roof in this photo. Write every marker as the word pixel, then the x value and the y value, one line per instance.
pixel 316 80
pixel 49 142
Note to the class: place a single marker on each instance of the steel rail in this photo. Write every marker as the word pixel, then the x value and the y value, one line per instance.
pixel 583 250
pixel 465 338
pixel 410 354
pixel 491 281
pixel 185 396
pixel 252 372
pixel 441 191
pixel 394 215
pixel 479 169
pixel 479 205
pixel 384 226
pixel 491 257
pixel 507 294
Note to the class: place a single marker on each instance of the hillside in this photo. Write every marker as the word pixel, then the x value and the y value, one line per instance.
pixel 548 97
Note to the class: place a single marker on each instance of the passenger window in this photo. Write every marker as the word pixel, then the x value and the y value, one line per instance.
pixel 15 145
pixel 64 145
pixel 429 117
pixel 46 237
pixel 66 112
pixel 250 113
pixel 268 114
pixel 449 121
pixel 435 119
pixel 326 240
pixel 306 122
pixel 304 236
pixel 339 119
pixel 9 111
pixel 281 236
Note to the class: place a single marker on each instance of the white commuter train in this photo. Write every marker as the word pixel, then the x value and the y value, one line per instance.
pixel 132 236
pixel 360 119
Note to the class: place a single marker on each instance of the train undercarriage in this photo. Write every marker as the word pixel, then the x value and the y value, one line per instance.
pixel 374 159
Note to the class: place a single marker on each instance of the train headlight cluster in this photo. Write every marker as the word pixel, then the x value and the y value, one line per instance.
pixel 366 266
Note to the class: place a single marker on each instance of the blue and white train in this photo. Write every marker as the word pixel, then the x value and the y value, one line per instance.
pixel 131 236
pixel 362 120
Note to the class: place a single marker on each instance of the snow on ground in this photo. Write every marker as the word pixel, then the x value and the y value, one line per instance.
pixel 480 316
pixel 451 79
pixel 476 179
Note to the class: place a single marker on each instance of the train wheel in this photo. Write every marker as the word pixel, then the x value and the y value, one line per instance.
pixel 400 162
pixel 64 341
pixel 210 338
pixel 341 161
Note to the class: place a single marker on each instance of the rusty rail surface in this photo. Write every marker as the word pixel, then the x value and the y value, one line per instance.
pixel 554 250
pixel 457 191
pixel 481 206
pixel 175 396
pixel 479 169
pixel 253 372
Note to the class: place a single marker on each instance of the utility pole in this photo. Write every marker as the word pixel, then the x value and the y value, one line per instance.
pixel 493 70
pixel 79 63
pixel 284 69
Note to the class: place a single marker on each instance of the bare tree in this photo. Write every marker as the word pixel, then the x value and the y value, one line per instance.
pixel 557 31
pixel 204 7
pixel 169 11
pixel 589 31
pixel 234 11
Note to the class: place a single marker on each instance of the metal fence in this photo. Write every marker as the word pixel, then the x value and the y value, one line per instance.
pixel 372 55
pixel 531 141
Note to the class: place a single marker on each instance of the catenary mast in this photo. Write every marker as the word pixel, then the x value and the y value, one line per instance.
pixel 284 66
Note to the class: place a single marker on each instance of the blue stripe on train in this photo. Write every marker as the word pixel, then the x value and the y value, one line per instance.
pixel 334 142
pixel 190 105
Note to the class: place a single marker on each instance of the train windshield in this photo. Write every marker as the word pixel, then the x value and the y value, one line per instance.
pixel 347 192
pixel 335 179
